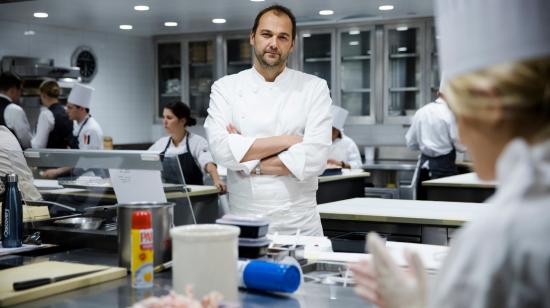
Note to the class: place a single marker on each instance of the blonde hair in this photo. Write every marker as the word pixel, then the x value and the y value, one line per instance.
pixel 523 89
pixel 50 88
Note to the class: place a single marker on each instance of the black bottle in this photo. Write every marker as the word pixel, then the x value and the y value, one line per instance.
pixel 12 214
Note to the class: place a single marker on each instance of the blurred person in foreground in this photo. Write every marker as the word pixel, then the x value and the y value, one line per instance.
pixel 497 62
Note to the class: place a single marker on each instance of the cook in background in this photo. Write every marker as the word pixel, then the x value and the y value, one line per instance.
pixel 87 134
pixel 12 115
pixel 13 161
pixel 433 131
pixel 54 129
pixel 191 149
pixel 498 66
pixel 343 152
pixel 270 126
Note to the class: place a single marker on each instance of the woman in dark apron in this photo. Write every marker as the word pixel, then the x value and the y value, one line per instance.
pixel 190 149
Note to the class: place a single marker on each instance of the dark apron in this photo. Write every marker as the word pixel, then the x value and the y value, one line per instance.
pixel 191 171
pixel 73 142
pixel 440 166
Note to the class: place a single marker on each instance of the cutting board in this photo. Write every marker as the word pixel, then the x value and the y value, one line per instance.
pixel 51 269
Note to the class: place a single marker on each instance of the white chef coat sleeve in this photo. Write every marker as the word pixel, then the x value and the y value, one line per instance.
pixel 17 120
pixel 308 158
pixel 200 151
pixel 411 137
pixel 12 160
pixel 44 126
pixel 353 156
pixel 227 149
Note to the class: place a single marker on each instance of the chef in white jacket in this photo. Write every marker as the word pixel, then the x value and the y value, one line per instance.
pixel 270 126
pixel 498 66
pixel 433 131
pixel 87 134
pixel 343 151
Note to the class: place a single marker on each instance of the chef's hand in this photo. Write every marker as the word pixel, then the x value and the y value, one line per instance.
pixel 383 283
pixel 232 129
pixel 221 186
pixel 50 173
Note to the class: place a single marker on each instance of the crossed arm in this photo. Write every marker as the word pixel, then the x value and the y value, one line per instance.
pixel 266 150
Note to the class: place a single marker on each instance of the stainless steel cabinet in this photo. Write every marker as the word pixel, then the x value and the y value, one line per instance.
pixel 238 54
pixel 169 74
pixel 433 68
pixel 355 71
pixel 317 54
pixel 404 74
pixel 201 75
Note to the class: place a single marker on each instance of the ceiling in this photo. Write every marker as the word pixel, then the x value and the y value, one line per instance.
pixel 192 15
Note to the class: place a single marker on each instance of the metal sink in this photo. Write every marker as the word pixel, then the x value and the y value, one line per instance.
pixel 329 273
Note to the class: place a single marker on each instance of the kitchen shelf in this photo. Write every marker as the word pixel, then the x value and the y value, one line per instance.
pixel 356 58
pixel 171 95
pixel 239 63
pixel 403 55
pixel 200 64
pixel 170 66
pixel 405 89
pixel 312 60
pixel 356 90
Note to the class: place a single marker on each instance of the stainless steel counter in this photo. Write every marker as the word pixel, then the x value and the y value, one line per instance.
pixel 390 165
pixel 119 293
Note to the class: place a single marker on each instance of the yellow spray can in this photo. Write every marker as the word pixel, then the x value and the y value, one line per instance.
pixel 142 250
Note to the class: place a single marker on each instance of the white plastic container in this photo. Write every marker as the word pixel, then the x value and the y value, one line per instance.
pixel 205 256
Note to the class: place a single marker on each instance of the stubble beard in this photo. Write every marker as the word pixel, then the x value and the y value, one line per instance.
pixel 265 64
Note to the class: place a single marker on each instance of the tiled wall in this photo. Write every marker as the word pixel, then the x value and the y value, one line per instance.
pixel 123 101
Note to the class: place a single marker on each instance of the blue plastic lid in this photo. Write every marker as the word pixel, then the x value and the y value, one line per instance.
pixel 271 276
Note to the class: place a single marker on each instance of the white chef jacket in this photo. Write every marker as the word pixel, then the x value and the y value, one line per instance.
pixel 16 119
pixel 91 135
pixel 13 161
pixel 44 127
pixel 433 130
pixel 344 149
pixel 502 259
pixel 294 104
pixel 197 144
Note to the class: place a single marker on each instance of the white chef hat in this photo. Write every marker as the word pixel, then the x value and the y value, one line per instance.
pixel 339 116
pixel 81 95
pixel 476 34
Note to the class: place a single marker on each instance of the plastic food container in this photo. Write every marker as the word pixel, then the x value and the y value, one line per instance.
pixel 253 248
pixel 251 226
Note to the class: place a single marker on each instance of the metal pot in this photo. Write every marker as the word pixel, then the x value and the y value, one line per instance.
pixel 163 220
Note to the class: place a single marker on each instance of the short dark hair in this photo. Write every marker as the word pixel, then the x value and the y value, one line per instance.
pixel 278 9
pixel 181 111
pixel 9 80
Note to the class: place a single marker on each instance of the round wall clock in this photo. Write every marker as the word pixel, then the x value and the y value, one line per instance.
pixel 85 58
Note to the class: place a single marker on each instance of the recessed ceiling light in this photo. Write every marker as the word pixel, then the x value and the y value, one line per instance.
pixel 385 7
pixel 354 32
pixel 402 28
pixel 257 0
pixel 306 35
pixel 219 20
pixel 141 8
pixel 40 15
pixel 29 32
pixel 125 27
pixel 170 24
pixel 402 49
pixel 354 43
pixel 326 12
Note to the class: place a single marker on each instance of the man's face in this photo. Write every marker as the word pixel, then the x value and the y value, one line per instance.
pixel 272 41
pixel 15 93
pixel 73 111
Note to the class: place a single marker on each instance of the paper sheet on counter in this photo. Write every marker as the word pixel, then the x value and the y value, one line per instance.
pixel 137 185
